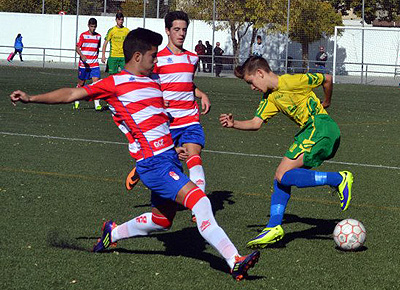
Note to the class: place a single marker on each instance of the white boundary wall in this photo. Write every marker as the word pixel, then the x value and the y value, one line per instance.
pixel 59 32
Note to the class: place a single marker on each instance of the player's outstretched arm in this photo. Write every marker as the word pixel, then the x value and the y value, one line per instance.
pixel 64 95
pixel 205 101
pixel 228 121
pixel 328 89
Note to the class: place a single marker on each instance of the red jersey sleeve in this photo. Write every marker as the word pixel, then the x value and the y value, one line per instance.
pixel 80 42
pixel 101 89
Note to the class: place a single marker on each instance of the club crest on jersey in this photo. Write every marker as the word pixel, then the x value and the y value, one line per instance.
pixel 174 175
pixel 169 60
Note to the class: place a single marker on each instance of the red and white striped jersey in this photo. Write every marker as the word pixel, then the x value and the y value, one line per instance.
pixel 138 110
pixel 176 74
pixel 89 44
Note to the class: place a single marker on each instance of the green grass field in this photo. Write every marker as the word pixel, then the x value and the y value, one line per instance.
pixel 62 174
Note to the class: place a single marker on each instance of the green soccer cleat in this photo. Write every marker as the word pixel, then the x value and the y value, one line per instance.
pixel 99 108
pixel 266 237
pixel 75 105
pixel 344 189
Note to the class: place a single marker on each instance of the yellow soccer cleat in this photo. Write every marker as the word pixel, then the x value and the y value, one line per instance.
pixel 266 237
pixel 344 189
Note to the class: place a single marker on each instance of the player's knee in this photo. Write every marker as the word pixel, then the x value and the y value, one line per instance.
pixel 278 176
pixel 162 221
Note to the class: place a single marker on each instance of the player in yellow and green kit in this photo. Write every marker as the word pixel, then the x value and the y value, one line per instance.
pixel 317 140
pixel 116 36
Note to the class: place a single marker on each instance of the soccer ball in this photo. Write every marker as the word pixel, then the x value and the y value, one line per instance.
pixel 349 234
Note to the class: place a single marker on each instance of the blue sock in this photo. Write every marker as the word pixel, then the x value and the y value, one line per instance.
pixel 279 200
pixel 301 177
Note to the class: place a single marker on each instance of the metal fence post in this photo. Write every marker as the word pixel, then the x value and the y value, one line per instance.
pixel 44 56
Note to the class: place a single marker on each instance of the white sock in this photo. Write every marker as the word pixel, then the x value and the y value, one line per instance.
pixel 212 232
pixel 96 103
pixel 139 226
pixel 196 171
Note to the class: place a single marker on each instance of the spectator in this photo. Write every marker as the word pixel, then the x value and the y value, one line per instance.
pixel 208 57
pixel 321 59
pixel 200 49
pixel 258 47
pixel 18 46
pixel 218 59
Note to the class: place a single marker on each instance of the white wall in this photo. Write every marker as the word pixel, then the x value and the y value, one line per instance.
pixel 56 31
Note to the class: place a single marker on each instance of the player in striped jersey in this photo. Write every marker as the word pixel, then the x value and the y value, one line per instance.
pixel 137 102
pixel 317 140
pixel 176 67
pixel 88 49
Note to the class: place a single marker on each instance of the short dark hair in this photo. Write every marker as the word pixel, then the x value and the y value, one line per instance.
pixel 175 15
pixel 250 66
pixel 140 40
pixel 258 36
pixel 119 15
pixel 92 21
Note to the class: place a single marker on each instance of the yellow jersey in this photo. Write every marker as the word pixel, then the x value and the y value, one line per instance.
pixel 116 37
pixel 293 97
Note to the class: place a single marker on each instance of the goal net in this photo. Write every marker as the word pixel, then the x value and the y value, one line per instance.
pixel 366 55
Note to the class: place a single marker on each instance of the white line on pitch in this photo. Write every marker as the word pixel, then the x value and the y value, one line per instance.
pixel 206 150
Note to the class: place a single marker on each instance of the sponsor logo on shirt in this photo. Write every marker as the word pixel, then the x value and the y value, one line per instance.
pixel 159 143
pixel 131 79
pixel 169 60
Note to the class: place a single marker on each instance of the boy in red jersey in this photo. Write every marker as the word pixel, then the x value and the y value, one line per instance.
pixel 88 50
pixel 137 102
pixel 176 67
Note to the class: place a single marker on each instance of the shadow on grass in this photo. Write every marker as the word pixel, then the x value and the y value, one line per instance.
pixel 321 229
pixel 186 242
pixel 217 199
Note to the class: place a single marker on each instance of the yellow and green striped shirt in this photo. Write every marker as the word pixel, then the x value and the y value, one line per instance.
pixel 116 37
pixel 293 97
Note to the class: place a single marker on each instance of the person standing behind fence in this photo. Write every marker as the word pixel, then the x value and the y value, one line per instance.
pixel 88 48
pixel 218 52
pixel 18 47
pixel 116 36
pixel 208 53
pixel 321 59
pixel 200 49
pixel 258 47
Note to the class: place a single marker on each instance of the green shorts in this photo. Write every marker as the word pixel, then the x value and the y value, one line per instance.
pixel 114 63
pixel 319 140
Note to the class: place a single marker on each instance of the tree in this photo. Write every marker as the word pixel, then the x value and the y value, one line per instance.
pixel 238 16
pixel 311 21
pixel 135 8
pixel 386 10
